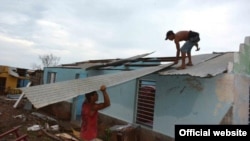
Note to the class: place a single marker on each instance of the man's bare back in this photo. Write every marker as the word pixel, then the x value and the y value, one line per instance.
pixel 181 36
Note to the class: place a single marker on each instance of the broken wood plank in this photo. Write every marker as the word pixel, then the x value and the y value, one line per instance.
pixel 14 130
pixel 22 138
pixel 21 96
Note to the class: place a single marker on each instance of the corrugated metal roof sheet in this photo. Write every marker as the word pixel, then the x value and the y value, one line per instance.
pixel 43 95
pixel 119 62
pixel 204 65
pixel 89 65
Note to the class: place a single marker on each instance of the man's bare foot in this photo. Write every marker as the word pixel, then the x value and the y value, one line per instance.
pixel 180 68
pixel 197 49
pixel 189 64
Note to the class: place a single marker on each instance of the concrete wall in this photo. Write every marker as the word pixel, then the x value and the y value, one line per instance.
pixel 241 68
pixel 190 100
pixel 241 99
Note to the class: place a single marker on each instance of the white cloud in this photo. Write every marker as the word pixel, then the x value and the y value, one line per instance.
pixel 15 41
pixel 82 30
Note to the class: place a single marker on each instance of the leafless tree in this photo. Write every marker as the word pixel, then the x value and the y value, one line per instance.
pixel 48 60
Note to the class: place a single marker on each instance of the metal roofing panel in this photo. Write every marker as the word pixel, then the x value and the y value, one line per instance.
pixel 43 95
pixel 119 62
pixel 210 65
pixel 89 65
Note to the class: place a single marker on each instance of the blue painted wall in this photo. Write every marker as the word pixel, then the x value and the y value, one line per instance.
pixel 122 99
pixel 188 100
pixel 64 74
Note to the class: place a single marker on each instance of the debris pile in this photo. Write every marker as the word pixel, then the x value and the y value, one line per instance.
pixel 33 123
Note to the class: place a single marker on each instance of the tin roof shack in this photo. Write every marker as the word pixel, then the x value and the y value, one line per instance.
pixel 205 93
pixel 12 78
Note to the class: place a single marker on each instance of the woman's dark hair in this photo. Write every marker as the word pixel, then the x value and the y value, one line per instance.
pixel 88 95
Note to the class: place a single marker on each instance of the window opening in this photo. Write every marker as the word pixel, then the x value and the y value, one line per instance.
pixel 77 76
pixel 51 77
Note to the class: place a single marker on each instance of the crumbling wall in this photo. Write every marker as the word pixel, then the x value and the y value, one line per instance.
pixel 241 68
pixel 242 58
pixel 241 99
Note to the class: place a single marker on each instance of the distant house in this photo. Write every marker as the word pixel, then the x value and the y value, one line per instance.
pixel 151 93
pixel 12 78
pixel 36 77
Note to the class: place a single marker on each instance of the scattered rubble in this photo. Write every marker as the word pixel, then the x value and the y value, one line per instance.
pixel 33 123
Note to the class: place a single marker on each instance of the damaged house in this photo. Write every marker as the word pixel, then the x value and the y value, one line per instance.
pixel 150 93
pixel 12 78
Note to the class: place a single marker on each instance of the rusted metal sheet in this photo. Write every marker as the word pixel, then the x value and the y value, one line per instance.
pixel 43 95
pixel 204 65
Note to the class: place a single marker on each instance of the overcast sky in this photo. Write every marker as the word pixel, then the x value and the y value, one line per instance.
pixel 81 30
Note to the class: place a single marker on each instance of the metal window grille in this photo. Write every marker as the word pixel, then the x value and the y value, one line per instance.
pixel 145 103
pixel 51 78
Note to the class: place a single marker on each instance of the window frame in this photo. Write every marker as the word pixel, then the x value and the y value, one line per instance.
pixel 51 77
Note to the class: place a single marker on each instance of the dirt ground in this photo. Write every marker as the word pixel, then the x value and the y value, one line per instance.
pixel 12 117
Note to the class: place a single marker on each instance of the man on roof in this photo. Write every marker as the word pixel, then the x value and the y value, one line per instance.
pixel 191 39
